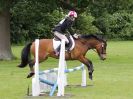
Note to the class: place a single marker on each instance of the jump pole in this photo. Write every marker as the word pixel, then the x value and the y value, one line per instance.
pixel 61 70
pixel 35 80
pixel 81 67
pixel 61 73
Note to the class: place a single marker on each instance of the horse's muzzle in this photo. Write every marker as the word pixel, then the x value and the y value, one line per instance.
pixel 103 56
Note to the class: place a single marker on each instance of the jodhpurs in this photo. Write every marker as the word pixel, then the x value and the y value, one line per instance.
pixel 61 36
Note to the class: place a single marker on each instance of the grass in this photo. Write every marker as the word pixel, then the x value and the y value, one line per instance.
pixel 113 78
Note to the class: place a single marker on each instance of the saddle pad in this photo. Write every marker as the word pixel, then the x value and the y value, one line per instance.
pixel 56 44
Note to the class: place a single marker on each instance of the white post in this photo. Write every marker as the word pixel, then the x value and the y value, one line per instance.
pixel 65 76
pixel 35 80
pixel 83 84
pixel 61 70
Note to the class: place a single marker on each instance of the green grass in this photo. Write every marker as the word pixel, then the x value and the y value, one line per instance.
pixel 113 78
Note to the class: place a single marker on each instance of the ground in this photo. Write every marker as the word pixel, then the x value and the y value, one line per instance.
pixel 113 78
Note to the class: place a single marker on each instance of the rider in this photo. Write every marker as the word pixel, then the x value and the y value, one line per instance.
pixel 64 25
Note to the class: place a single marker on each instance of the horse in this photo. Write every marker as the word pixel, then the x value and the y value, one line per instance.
pixel 82 45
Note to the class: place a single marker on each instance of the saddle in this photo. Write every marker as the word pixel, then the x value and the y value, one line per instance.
pixel 69 46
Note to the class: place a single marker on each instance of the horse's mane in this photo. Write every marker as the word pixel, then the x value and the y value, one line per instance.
pixel 88 36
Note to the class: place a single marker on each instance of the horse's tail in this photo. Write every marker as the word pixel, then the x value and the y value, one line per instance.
pixel 25 56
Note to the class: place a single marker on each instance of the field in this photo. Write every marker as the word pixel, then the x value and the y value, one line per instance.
pixel 113 78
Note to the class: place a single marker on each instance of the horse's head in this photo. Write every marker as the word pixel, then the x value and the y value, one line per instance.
pixel 96 42
pixel 101 49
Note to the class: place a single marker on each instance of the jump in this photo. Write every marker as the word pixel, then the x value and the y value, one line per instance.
pixel 82 45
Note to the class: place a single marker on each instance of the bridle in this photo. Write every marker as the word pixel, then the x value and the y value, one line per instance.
pixel 103 48
pixel 102 52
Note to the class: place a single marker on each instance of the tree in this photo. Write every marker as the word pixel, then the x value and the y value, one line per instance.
pixel 5 46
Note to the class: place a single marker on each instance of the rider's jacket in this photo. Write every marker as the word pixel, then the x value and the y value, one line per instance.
pixel 64 25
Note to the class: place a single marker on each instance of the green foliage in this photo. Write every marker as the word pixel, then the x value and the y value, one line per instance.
pixel 4 4
pixel 84 24
pixel 33 19
pixel 98 7
pixel 118 25
pixel 113 17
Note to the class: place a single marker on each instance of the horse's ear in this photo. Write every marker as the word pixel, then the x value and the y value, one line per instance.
pixel 101 36
pixel 104 37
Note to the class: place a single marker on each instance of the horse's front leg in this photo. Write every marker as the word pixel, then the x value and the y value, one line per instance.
pixel 89 65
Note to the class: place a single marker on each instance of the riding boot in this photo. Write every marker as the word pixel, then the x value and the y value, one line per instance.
pixel 67 48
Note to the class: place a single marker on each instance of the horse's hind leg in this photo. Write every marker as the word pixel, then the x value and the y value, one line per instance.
pixel 89 65
pixel 31 64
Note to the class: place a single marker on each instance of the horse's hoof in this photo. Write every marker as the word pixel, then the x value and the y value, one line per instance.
pixel 30 75
pixel 90 76
pixel 20 66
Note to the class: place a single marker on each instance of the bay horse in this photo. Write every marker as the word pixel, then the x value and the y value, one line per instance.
pixel 82 45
